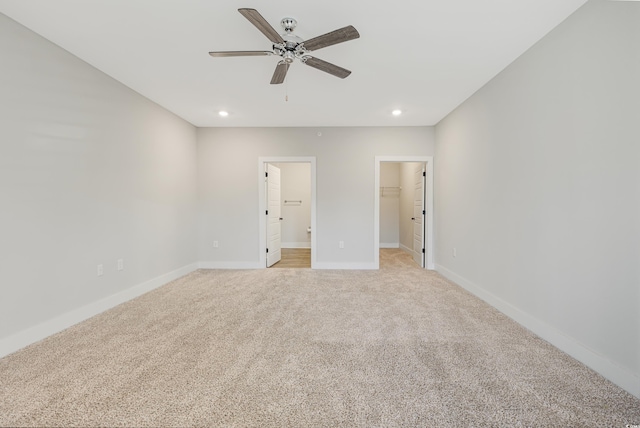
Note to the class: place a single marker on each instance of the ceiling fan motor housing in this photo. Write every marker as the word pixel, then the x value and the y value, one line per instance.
pixel 292 47
pixel 288 57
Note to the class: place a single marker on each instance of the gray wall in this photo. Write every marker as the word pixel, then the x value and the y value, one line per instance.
pixel 228 186
pixel 538 189
pixel 90 172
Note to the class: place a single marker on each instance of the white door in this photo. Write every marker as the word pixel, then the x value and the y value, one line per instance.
pixel 273 215
pixel 419 216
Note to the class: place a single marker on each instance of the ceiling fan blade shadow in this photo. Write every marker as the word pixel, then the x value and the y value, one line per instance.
pixel 333 38
pixel 261 24
pixel 280 73
pixel 327 67
pixel 239 53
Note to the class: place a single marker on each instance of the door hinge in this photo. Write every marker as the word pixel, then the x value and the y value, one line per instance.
pixel 267 212
pixel 267 250
pixel 266 174
pixel 424 212
pixel 424 174
pixel 423 251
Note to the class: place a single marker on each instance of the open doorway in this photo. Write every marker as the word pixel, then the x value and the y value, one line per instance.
pixel 287 212
pixel 404 212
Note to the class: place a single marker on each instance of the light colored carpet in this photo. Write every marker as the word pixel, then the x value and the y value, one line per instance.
pixel 297 347
pixel 395 258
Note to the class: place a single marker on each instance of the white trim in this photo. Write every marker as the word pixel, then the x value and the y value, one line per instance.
pixel 55 325
pixel 430 188
pixel 229 265
pixel 262 226
pixel 430 264
pixel 389 245
pixel 616 374
pixel 346 266
pixel 295 245
pixel 406 249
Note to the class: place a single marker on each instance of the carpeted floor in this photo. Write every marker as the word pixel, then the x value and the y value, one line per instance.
pixel 395 258
pixel 298 348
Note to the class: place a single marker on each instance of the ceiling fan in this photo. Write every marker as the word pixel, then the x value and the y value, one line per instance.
pixel 288 46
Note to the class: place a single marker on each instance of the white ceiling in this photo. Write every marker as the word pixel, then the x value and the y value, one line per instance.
pixel 422 56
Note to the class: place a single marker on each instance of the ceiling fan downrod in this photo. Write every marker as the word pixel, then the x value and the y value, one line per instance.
pixel 289 24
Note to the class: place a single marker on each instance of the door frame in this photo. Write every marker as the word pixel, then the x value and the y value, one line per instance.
pixel 422 179
pixel 262 203
pixel 428 160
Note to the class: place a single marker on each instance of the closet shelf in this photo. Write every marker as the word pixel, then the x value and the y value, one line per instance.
pixel 386 191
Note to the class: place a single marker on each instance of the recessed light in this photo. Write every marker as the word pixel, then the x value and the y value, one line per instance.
pixel 223 113
pixel 396 112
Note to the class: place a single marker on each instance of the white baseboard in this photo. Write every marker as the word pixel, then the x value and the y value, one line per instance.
pixel 256 265
pixel 389 245
pixel 620 376
pixel 346 266
pixel 295 245
pixel 38 332
pixel 406 249
pixel 230 265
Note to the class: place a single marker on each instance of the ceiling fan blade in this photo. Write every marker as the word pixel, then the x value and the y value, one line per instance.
pixel 280 73
pixel 327 67
pixel 261 24
pixel 240 53
pixel 338 36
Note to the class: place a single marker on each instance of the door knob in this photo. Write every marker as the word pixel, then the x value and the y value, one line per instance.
pixel 280 219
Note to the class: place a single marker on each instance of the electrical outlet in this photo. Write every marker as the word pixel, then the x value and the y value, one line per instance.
pixel 455 252
pixel 215 244
pixel 100 270
pixel 120 264
pixel 341 244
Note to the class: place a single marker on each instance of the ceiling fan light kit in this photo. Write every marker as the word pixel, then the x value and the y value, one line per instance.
pixel 290 47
